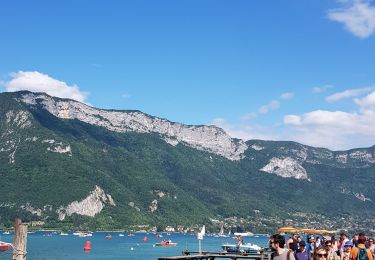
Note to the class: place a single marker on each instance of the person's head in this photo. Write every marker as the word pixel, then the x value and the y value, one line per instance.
pixel 321 253
pixel 277 241
pixel 348 246
pixel 362 239
pixel 329 245
pixel 371 241
pixel 302 245
pixel 343 236
pixel 333 239
pixel 355 237
pixel 311 239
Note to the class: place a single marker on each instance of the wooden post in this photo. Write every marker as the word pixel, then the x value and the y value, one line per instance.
pixel 20 239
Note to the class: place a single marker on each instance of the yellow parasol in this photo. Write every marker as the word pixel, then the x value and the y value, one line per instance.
pixel 288 230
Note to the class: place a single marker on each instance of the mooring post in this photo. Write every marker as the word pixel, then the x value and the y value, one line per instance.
pixel 20 239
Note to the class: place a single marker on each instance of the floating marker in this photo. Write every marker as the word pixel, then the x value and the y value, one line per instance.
pixel 87 247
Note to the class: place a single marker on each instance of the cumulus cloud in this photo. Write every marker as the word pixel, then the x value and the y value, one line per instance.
pixel 38 82
pixel 358 17
pixel 292 120
pixel 337 130
pixel 349 93
pixel 274 104
pixel 321 89
pixel 366 104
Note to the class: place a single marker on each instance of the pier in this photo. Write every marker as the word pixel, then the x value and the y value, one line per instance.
pixel 187 255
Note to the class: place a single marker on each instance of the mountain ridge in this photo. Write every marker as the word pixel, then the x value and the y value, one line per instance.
pixel 150 180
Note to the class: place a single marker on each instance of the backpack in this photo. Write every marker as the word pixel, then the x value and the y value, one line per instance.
pixel 362 254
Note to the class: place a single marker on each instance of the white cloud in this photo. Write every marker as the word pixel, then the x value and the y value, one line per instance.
pixel 321 89
pixel 270 106
pixel 287 96
pixel 292 120
pixel 358 17
pixel 337 130
pixel 126 96
pixel 366 104
pixel 38 82
pixel 349 93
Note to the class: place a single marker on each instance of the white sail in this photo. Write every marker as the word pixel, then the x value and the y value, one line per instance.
pixel 201 234
pixel 221 231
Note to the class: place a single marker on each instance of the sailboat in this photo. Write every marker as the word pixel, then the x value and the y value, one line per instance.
pixel 200 236
pixel 221 233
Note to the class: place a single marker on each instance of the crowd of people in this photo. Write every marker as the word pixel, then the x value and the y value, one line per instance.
pixel 359 247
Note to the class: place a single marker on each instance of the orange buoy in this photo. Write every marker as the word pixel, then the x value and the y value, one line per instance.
pixel 87 247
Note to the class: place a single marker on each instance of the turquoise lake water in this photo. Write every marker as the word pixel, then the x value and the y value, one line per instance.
pixel 42 245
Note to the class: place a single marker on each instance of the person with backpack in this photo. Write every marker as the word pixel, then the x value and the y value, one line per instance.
pixel 360 252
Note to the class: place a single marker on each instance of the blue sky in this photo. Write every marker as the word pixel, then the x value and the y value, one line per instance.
pixel 296 70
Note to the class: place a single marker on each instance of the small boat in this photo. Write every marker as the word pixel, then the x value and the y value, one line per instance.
pixel 83 234
pixel 131 235
pixel 6 233
pixel 64 234
pixel 121 235
pixel 108 236
pixel 244 234
pixel 166 243
pixel 237 248
pixel 4 246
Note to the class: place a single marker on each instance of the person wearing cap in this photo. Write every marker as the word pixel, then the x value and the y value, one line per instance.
pixel 343 240
pixel 361 246
pixel 301 253
pixel 277 243
pixel 347 249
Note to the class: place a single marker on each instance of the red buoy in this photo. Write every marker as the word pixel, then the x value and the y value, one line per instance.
pixel 87 247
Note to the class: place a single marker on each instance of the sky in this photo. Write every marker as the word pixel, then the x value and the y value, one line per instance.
pixel 294 70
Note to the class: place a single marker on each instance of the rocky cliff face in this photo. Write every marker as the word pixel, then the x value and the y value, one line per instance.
pixel 206 138
pixel 90 206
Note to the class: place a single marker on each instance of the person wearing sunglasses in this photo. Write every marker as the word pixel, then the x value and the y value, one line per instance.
pixel 321 253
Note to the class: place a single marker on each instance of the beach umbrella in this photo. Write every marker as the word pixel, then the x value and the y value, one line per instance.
pixel 288 230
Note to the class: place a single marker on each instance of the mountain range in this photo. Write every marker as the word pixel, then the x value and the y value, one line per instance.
pixel 69 164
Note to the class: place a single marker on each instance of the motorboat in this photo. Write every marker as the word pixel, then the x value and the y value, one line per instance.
pixel 4 246
pixel 166 243
pixel 237 248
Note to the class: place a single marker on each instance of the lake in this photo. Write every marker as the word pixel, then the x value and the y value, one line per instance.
pixel 48 246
